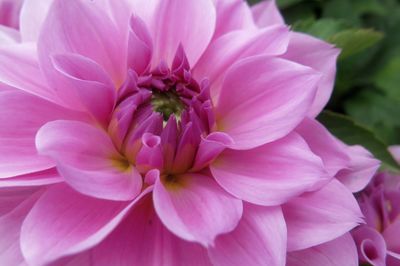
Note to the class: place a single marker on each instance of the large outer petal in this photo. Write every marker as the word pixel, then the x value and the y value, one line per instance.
pixel 46 177
pixel 324 144
pixel 142 239
pixel 19 68
pixel 338 252
pixel 354 166
pixel 230 48
pixel 88 160
pixel 64 222
pixel 317 217
pixel 266 13
pixel 270 174
pixel 174 22
pixel 195 208
pixel 81 27
pixel 21 116
pixel 321 56
pixel 263 99
pixel 360 170
pixel 10 225
pixel 89 83
pixel 33 14
pixel 232 15
pixel 259 239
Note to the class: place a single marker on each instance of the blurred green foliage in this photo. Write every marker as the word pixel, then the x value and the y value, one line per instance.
pixel 367 90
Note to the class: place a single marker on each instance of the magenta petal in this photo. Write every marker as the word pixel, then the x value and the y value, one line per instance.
pixel 232 15
pixel 140 46
pixel 87 159
pixel 9 35
pixel 320 216
pixel 209 149
pixel 142 239
pixel 256 175
pixel 259 239
pixel 81 27
pixel 189 23
pixel 237 45
pixel 10 227
pixel 338 252
pixel 332 152
pixel 64 222
pixel 391 235
pixel 321 56
pixel 21 116
pixel 89 82
pixel 266 13
pixel 46 177
pixel 19 68
pixel 263 99
pixel 371 245
pixel 360 170
pixel 33 14
pixel 195 208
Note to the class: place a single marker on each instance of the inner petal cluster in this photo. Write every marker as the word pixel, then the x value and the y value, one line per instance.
pixel 161 118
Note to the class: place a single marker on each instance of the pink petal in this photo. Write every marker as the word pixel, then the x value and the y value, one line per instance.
pixel 259 239
pixel 230 48
pixel 353 165
pixel 41 178
pixel 9 12
pixel 232 15
pixel 361 169
pixel 81 27
pixel 319 55
pixel 142 239
pixel 64 222
pixel 209 149
pixel 10 227
pixel 371 245
pixel 19 68
pixel 140 46
pixel 33 14
pixel 262 99
pixel 190 23
pixel 9 35
pixel 338 252
pixel 391 235
pixel 21 116
pixel 89 83
pixel 270 174
pixel 395 151
pixel 320 216
pixel 332 152
pixel 195 208
pixel 10 198
pixel 88 161
pixel 266 13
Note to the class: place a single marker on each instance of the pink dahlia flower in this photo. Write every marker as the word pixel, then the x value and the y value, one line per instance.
pixel 171 132
pixel 378 240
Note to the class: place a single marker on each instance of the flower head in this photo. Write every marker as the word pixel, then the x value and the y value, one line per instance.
pixel 170 132
pixel 377 240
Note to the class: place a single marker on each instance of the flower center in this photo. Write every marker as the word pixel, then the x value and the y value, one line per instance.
pixel 167 103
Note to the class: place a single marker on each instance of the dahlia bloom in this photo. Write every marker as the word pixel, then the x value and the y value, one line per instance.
pixel 378 240
pixel 171 132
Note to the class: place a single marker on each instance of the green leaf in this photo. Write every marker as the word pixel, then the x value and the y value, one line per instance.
pixel 350 132
pixel 388 78
pixel 378 112
pixel 322 28
pixel 287 3
pixel 353 41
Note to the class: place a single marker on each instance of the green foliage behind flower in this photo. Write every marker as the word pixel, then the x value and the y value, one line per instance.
pixel 367 87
